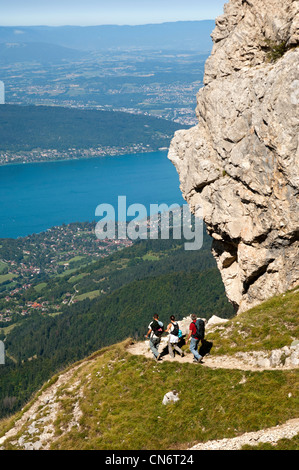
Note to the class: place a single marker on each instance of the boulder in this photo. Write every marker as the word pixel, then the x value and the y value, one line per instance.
pixel 170 397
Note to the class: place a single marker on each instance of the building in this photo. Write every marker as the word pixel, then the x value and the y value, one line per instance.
pixel 2 93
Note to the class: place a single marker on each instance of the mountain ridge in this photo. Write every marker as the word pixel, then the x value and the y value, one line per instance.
pixel 156 36
pixel 68 131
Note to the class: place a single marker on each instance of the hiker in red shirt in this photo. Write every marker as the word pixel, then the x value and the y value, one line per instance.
pixel 196 333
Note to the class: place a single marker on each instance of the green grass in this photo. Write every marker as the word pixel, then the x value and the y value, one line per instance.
pixel 151 257
pixel 89 295
pixel 77 278
pixel 39 287
pixel 271 325
pixel 6 277
pixel 2 266
pixel 282 444
pixel 122 403
pixel 67 272
pixel 72 260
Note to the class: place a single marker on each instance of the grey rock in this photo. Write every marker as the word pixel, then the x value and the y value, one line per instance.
pixel 240 163
pixel 275 358
pixel 263 363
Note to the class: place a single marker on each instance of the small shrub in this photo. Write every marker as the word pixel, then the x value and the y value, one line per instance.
pixel 275 50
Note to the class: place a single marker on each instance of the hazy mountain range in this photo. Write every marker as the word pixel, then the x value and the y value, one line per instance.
pixel 182 35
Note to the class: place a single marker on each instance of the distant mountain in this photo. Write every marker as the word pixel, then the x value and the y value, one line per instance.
pixel 181 35
pixel 36 52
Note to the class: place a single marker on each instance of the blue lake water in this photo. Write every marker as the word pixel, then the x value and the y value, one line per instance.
pixel 38 196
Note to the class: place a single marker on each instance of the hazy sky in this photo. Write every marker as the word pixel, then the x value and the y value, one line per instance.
pixel 97 12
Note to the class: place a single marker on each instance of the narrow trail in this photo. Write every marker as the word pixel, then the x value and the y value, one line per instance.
pixel 272 435
pixel 214 362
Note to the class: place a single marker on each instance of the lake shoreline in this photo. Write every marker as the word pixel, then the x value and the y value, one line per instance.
pixel 119 153
pixel 37 197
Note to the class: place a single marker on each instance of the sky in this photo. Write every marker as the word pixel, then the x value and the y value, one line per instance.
pixel 99 12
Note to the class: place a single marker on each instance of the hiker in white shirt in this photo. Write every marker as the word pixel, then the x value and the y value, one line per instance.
pixel 173 330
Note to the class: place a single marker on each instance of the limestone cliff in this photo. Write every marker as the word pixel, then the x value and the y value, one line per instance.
pixel 241 162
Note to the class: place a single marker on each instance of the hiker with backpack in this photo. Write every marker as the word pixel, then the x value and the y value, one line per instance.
pixel 155 331
pixel 196 333
pixel 173 330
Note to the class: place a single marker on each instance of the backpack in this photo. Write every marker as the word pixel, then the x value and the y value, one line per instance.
pixel 157 328
pixel 175 331
pixel 200 328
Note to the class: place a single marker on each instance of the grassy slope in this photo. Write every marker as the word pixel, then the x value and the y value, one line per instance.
pixel 122 404
pixel 271 325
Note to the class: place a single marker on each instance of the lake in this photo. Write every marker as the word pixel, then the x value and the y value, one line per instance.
pixel 38 196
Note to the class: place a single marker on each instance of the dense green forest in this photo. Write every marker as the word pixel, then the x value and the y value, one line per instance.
pixel 152 276
pixel 144 259
pixel 24 128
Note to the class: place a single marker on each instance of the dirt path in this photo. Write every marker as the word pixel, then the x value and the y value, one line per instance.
pixel 214 362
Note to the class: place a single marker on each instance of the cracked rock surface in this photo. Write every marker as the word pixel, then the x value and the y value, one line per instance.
pixel 241 162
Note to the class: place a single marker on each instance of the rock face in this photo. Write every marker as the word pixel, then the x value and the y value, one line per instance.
pixel 241 162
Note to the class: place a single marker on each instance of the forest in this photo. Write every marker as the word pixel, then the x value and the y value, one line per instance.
pixel 152 276
pixel 25 128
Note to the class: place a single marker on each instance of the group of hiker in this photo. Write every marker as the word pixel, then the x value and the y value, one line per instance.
pixel 196 334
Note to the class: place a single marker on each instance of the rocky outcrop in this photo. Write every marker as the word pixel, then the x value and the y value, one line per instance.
pixel 241 162
pixel 271 436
